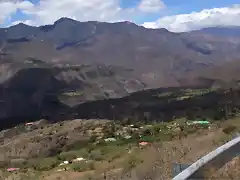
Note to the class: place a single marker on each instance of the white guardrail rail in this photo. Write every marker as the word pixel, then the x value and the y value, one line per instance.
pixel 216 159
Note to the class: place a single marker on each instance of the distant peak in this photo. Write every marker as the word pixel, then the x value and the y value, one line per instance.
pixel 126 22
pixel 64 19
pixel 21 25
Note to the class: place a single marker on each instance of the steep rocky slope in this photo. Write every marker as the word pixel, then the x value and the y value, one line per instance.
pixel 48 91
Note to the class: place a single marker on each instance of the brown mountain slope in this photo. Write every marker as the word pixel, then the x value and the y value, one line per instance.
pixel 158 56
pixel 221 75
pixel 42 71
pixel 34 90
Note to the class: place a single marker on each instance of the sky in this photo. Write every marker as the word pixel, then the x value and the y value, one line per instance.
pixel 174 15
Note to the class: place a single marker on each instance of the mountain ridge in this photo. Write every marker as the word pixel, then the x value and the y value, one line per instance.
pixel 125 44
pixel 90 61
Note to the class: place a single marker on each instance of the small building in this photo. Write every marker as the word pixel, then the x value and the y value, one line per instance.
pixel 110 140
pixel 60 170
pixel 29 124
pixel 134 129
pixel 143 143
pixel 78 159
pixel 127 137
pixel 64 163
pixel 12 169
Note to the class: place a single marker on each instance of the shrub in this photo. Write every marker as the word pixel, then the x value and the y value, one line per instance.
pixel 181 121
pixel 147 132
pixel 90 148
pixel 96 155
pixel 230 129
pixel 78 145
pixel 93 139
pixel 147 138
pixel 67 156
pixel 80 167
pixel 157 128
pixel 165 137
pixel 204 126
pixel 131 162
pixel 70 155
pixel 83 153
pixel 83 166
pixel 44 164
pixel 4 164
pixel 18 163
pixel 101 142
pixel 91 166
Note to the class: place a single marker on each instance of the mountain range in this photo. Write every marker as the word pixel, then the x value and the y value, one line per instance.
pixel 46 68
pixel 159 57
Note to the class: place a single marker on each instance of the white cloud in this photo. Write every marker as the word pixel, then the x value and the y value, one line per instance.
pixel 227 16
pixel 48 11
pixel 150 25
pixel 151 6
pixel 24 5
pixel 7 8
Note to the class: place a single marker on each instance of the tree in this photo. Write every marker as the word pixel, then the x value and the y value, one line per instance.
pixel 147 132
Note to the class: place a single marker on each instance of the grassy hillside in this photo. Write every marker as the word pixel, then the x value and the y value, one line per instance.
pixel 164 105
pixel 39 150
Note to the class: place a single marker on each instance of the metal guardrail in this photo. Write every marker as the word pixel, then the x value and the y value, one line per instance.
pixel 216 159
pixel 178 168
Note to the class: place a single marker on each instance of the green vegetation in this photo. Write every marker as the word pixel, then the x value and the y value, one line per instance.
pixel 124 153
pixel 83 166
pixel 71 94
pixel 44 164
pixel 164 94
pixel 184 94
pixel 96 155
pixel 68 140
pixel 18 163
pixel 189 93
pixel 67 156
pixel 197 92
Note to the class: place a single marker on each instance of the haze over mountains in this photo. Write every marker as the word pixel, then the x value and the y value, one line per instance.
pixel 233 31
pixel 70 62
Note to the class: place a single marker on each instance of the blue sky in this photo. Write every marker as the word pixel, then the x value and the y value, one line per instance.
pixel 186 6
pixel 149 13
